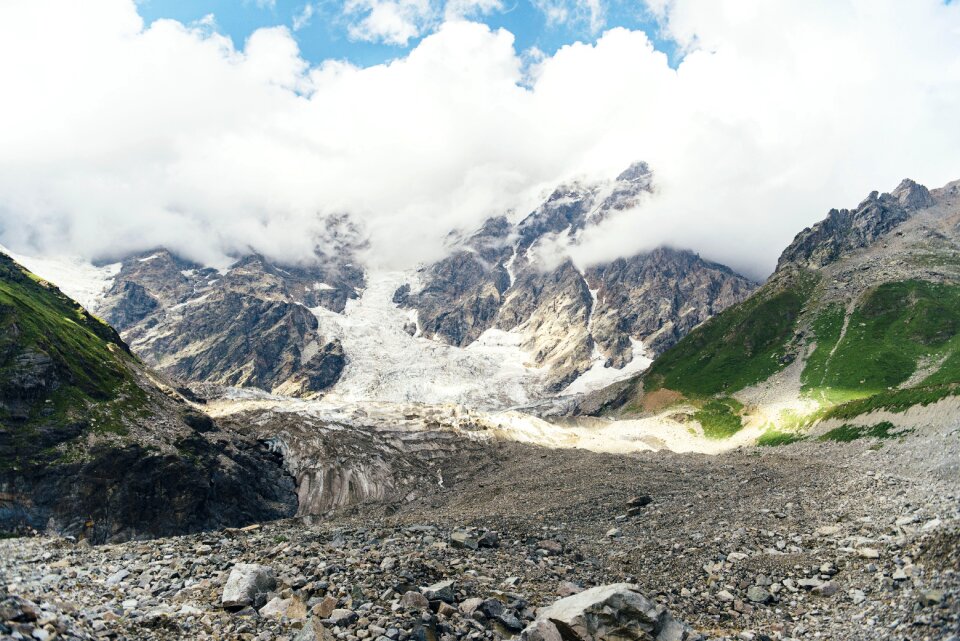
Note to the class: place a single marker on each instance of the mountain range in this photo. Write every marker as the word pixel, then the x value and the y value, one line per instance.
pixel 400 446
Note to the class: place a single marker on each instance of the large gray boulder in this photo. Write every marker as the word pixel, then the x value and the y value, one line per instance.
pixel 608 612
pixel 248 584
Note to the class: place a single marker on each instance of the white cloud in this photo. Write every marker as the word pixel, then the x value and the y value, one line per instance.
pixel 588 12
pixel 393 22
pixel 115 137
pixel 303 17
pixel 456 9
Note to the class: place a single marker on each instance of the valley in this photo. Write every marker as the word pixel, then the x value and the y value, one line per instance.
pixel 444 452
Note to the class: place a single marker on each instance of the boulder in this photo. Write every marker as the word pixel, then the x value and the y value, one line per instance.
pixel 442 591
pixel 464 539
pixel 248 584
pixel 343 617
pixel 313 630
pixel 292 608
pixel 615 611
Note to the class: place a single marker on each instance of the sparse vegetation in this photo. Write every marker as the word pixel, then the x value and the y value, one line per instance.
pixel 720 417
pixel 847 433
pixel 893 401
pixel 774 437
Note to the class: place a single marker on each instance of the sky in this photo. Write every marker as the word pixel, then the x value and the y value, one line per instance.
pixel 218 128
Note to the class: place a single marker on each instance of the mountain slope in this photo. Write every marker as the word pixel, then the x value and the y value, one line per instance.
pixel 863 312
pixel 508 277
pixel 249 326
pixel 91 443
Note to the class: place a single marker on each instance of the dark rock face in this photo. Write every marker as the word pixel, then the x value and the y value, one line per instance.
pixel 496 280
pixel 90 445
pixel 129 491
pixel 247 327
pixel 658 297
pixel 846 230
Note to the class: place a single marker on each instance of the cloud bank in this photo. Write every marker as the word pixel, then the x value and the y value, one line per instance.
pixel 115 137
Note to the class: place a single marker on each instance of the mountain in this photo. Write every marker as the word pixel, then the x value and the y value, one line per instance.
pixel 248 326
pixel 92 443
pixel 570 321
pixel 862 313
pixel 503 320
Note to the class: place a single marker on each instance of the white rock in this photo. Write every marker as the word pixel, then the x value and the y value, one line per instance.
pixel 247 584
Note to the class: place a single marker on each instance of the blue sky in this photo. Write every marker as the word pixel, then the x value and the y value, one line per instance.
pixel 327 33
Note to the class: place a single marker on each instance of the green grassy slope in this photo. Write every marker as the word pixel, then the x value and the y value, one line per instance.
pixel 893 329
pixel 742 346
pixel 899 347
pixel 58 364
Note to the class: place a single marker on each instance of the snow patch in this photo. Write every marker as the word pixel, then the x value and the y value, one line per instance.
pixel 75 276
pixel 322 287
pixel 600 376
pixel 385 363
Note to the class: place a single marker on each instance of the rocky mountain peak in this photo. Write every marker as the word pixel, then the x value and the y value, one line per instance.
pixel 846 230
pixel 912 195
pixel 572 207
pixel 568 319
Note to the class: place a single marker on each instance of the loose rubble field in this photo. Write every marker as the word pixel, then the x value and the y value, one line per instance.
pixel 814 540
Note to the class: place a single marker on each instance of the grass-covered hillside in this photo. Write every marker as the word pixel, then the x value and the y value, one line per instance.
pixel 742 346
pixel 90 445
pixel 873 323
pixel 58 364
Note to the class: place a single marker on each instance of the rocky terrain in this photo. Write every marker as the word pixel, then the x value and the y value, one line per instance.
pixel 814 540
pixel 92 444
pixel 508 277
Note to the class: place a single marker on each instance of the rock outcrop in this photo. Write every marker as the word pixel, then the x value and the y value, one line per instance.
pixel 249 326
pixel 845 230
pixel 92 444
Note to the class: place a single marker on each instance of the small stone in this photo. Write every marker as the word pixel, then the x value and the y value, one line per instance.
pixel 469 606
pixel 758 594
pixel 809 584
pixel 931 597
pixel 551 547
pixel 326 607
pixel 725 596
pixel 414 601
pixel 825 589
pixel 464 539
pixel 117 577
pixel 342 617
pixel 489 539
pixel 613 532
pixel 869 553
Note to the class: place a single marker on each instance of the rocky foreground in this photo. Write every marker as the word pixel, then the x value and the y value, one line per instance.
pixel 815 540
